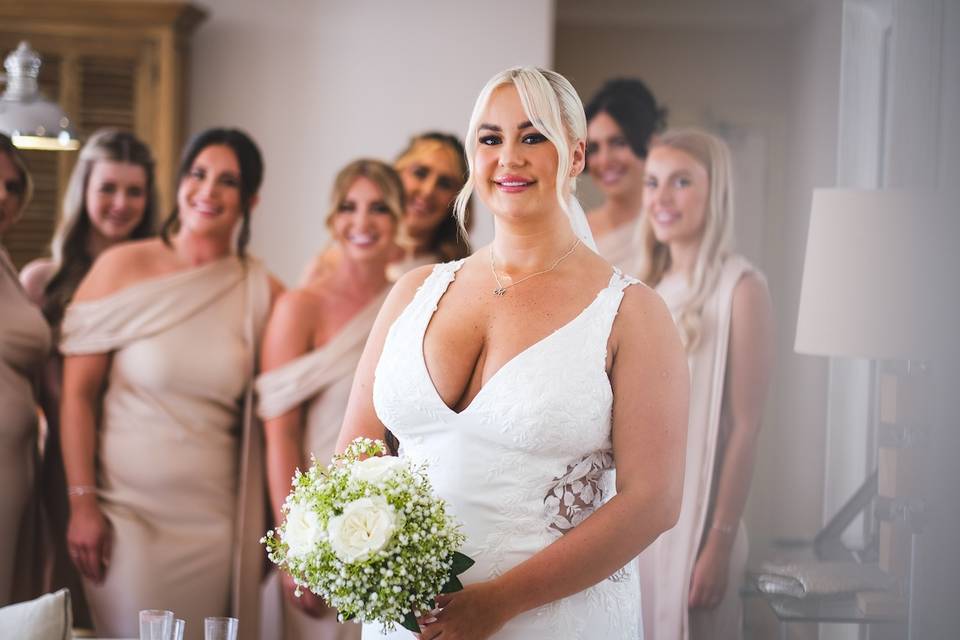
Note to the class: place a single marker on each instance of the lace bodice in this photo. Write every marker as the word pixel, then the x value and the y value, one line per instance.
pixel 530 457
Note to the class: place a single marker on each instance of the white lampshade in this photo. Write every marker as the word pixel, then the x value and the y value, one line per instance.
pixel 30 119
pixel 881 277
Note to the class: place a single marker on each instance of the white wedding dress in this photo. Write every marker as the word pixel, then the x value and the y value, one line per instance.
pixel 526 461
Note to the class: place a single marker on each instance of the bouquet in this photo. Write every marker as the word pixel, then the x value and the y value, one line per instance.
pixel 367 534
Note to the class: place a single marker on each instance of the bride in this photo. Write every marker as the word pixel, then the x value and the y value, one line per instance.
pixel 522 375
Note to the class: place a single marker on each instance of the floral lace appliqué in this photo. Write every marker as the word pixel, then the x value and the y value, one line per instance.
pixel 579 492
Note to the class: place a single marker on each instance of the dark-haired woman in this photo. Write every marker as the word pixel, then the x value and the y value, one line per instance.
pixel 162 464
pixel 24 343
pixel 621 120
pixel 110 199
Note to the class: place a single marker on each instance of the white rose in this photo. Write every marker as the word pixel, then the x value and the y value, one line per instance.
pixel 302 530
pixel 364 528
pixel 375 469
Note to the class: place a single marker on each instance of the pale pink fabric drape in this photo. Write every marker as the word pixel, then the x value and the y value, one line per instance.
pixel 667 565
pixel 322 379
pixel 180 461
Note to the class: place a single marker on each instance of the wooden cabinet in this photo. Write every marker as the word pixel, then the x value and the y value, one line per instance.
pixel 120 63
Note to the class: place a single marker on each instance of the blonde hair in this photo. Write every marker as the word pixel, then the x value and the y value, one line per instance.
pixel 717 242
pixel 554 109
pixel 379 173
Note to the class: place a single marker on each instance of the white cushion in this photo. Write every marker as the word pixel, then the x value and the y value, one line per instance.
pixel 49 617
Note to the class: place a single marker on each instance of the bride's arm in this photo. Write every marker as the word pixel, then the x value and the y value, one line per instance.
pixel 651 387
pixel 361 419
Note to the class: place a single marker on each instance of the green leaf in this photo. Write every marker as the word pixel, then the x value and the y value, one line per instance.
pixel 410 622
pixel 453 584
pixel 461 563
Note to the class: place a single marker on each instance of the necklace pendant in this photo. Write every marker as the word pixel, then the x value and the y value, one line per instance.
pixel 499 291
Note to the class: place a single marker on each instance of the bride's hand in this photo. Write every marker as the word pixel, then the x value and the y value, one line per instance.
pixel 475 613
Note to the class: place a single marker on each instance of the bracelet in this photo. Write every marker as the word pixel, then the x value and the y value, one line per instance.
pixel 81 490
pixel 726 529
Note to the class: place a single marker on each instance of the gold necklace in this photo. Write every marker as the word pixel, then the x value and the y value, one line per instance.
pixel 501 290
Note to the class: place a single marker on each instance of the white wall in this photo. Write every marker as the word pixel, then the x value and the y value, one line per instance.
pixel 796 462
pixel 950 97
pixel 320 83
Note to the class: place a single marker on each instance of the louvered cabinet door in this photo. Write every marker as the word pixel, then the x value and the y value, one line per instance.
pixel 107 93
pixel 102 93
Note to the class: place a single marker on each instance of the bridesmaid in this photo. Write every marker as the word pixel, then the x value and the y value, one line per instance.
pixel 110 199
pixel 24 344
pixel 622 118
pixel 691 575
pixel 433 169
pixel 311 349
pixel 162 461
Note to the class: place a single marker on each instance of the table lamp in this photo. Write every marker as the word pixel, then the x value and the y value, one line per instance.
pixel 880 282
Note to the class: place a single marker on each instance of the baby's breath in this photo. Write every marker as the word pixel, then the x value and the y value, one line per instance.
pixel 404 576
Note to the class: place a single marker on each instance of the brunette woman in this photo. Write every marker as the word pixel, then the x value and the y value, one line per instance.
pixel 164 467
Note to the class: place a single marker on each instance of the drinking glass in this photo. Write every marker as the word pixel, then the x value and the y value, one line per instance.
pixel 156 624
pixel 220 628
pixel 178 626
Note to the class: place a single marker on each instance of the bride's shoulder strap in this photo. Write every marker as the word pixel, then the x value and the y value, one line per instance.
pixel 447 268
pixel 614 296
pixel 439 279
pixel 621 281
